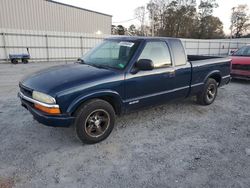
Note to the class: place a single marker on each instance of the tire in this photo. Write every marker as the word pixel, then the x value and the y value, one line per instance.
pixel 94 121
pixel 25 61
pixel 14 61
pixel 209 93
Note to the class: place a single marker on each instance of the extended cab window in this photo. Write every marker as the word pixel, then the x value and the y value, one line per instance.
pixel 158 52
pixel 179 53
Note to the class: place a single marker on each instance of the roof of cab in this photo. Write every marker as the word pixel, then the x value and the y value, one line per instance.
pixel 131 38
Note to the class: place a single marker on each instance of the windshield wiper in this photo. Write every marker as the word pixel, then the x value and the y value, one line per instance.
pixel 103 67
pixel 99 66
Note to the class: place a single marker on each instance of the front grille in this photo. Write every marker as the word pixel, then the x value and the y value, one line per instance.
pixel 26 91
pixel 241 67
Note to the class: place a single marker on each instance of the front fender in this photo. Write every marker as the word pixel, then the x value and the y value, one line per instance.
pixel 97 94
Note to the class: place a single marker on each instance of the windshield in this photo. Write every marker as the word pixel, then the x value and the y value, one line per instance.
pixel 111 54
pixel 244 51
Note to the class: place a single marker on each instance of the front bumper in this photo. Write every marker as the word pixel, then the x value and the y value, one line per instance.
pixel 240 74
pixel 61 120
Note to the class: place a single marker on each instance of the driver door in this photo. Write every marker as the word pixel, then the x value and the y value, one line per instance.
pixel 146 88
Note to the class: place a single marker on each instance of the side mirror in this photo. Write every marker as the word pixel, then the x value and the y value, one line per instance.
pixel 145 64
pixel 79 60
pixel 232 51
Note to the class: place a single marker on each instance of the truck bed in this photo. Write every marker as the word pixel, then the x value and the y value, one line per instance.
pixel 200 57
pixel 204 65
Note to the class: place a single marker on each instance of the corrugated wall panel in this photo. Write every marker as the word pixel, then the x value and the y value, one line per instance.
pixel 49 16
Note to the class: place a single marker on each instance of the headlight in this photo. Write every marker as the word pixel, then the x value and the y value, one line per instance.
pixel 43 97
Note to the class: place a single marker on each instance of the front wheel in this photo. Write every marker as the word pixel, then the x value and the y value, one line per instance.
pixel 94 121
pixel 209 93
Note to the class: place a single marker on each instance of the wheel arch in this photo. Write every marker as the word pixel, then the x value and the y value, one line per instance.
pixel 111 97
pixel 216 75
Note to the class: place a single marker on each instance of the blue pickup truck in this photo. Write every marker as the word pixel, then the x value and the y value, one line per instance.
pixel 120 75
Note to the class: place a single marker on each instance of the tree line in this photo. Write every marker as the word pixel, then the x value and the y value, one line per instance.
pixel 184 19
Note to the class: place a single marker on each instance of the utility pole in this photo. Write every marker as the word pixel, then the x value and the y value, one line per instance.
pixel 142 23
pixel 152 8
pixel 232 22
pixel 153 23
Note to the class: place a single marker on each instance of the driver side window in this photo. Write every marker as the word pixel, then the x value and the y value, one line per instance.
pixel 158 52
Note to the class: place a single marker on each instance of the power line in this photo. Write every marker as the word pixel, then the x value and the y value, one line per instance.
pixel 130 19
pixel 126 20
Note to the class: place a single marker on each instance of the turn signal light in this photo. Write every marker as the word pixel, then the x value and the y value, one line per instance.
pixel 48 110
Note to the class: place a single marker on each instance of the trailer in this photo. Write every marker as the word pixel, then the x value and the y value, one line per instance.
pixel 24 58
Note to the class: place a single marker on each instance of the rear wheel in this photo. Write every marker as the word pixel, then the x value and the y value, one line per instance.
pixel 14 61
pixel 209 93
pixel 25 61
pixel 94 121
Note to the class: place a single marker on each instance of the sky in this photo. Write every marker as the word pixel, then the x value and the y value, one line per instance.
pixel 123 10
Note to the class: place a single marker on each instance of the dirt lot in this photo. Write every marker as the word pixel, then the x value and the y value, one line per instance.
pixel 180 144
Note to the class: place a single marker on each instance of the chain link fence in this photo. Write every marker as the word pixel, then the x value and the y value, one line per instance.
pixel 55 46
pixel 47 46
pixel 219 47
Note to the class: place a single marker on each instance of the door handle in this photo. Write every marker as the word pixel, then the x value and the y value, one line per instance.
pixel 169 73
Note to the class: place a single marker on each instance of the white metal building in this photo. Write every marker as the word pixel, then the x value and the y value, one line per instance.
pixel 47 15
pixel 49 29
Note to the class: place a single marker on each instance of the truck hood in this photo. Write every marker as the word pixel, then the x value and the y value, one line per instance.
pixel 59 78
pixel 240 60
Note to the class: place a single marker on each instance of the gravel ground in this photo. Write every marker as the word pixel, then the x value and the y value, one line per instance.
pixel 180 144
